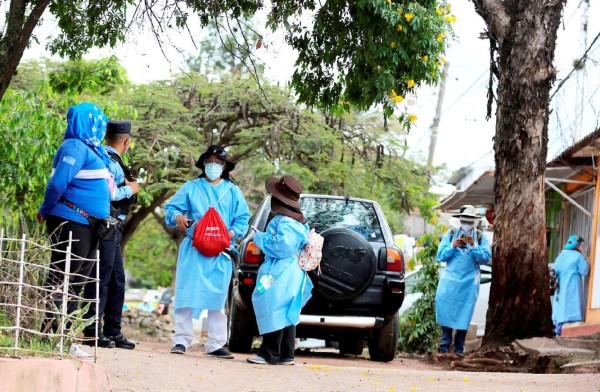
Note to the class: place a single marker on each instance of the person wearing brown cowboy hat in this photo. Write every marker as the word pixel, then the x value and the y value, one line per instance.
pixel 202 282
pixel 463 250
pixel 283 288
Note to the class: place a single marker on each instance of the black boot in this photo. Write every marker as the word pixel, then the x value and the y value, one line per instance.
pixel 103 341
pixel 121 341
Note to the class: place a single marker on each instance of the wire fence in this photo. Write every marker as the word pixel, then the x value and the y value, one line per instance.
pixel 42 305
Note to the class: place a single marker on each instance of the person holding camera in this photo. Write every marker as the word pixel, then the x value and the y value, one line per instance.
pixel 463 249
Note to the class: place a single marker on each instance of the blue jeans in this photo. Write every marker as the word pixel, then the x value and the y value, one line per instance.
pixel 459 340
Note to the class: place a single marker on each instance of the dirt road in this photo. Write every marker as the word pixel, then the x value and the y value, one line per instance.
pixel 150 367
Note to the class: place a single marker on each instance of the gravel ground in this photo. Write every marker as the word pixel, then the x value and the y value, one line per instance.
pixel 150 367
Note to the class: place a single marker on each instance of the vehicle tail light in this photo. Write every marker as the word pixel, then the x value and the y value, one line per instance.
pixel 253 254
pixel 394 260
pixel 248 281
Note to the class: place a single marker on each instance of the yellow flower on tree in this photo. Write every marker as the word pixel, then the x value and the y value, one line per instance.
pixel 412 118
pixel 389 1
pixel 393 44
pixel 450 18
pixel 378 67
pixel 395 97
pixel 425 58
pixel 399 28
pixel 440 37
pixel 448 8
pixel 438 11
pixel 410 83
pixel 408 17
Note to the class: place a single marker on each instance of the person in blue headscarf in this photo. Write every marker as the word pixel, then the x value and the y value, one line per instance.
pixel 202 282
pixel 79 183
pixel 570 267
pixel 463 249
pixel 283 288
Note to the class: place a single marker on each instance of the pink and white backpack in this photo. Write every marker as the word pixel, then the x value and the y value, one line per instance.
pixel 311 254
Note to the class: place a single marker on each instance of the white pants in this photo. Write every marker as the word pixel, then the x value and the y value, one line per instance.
pixel 184 330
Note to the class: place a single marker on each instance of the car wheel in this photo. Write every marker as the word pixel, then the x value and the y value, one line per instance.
pixel 384 342
pixel 353 346
pixel 241 325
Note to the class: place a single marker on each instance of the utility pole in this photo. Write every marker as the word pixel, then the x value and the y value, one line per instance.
pixel 436 118
pixel 579 101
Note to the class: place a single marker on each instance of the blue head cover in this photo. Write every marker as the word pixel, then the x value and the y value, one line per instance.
pixel 87 122
pixel 573 242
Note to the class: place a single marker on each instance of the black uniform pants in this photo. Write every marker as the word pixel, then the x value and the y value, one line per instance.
pixel 278 345
pixel 112 288
pixel 84 245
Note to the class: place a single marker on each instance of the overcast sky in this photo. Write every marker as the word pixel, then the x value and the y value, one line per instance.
pixel 464 136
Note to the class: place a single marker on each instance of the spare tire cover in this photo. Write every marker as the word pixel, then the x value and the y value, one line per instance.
pixel 347 266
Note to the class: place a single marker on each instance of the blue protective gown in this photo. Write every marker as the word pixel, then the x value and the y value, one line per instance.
pixel 570 267
pixel 280 305
pixel 458 287
pixel 202 282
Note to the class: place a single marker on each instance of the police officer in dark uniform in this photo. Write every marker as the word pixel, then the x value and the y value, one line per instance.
pixel 112 273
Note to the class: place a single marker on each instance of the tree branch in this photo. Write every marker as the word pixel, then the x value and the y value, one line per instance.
pixel 495 15
pixel 17 37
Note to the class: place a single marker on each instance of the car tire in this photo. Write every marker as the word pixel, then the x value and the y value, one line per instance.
pixel 241 325
pixel 384 342
pixel 347 267
pixel 352 346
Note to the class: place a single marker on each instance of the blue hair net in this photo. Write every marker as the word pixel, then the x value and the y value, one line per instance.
pixel 573 242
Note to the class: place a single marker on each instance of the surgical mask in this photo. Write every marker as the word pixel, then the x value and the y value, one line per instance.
pixel 466 226
pixel 213 171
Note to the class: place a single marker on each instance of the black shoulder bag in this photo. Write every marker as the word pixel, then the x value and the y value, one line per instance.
pixel 104 227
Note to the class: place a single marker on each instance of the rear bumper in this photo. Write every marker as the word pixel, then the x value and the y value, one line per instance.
pixel 341 321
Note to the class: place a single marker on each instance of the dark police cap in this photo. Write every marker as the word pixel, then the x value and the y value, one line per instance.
pixel 115 126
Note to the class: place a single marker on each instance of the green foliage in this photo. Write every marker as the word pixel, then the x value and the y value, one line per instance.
pixel 31 128
pixel 419 331
pixel 97 76
pixel 87 24
pixel 32 123
pixel 366 51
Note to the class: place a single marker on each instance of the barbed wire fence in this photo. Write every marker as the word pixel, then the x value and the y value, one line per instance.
pixel 34 317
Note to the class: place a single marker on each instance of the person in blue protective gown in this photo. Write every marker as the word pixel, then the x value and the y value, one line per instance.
pixel 282 288
pixel 570 267
pixel 79 185
pixel 463 249
pixel 202 282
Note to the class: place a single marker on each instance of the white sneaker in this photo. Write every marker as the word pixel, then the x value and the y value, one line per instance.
pixel 75 351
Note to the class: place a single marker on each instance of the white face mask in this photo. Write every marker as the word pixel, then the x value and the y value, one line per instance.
pixel 213 171
pixel 466 226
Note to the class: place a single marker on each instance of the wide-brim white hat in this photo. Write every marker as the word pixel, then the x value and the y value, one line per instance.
pixel 467 211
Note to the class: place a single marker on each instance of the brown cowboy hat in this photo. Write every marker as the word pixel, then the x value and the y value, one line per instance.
pixel 285 196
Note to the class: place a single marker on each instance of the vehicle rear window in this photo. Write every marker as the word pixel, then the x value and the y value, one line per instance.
pixel 358 216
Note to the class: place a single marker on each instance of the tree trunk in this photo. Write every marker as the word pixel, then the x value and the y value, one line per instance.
pixel 525 32
pixel 17 34
pixel 136 219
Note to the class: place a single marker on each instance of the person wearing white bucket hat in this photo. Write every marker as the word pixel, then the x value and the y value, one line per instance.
pixel 464 250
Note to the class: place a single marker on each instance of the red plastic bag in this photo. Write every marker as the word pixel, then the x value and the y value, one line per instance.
pixel 210 235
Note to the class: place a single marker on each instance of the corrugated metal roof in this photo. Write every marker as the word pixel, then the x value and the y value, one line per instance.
pixel 580 152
